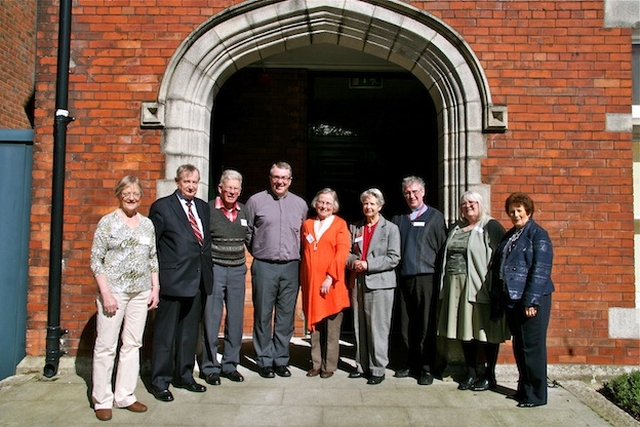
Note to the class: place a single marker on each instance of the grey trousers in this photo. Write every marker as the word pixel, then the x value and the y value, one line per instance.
pixel 274 292
pixel 372 310
pixel 229 293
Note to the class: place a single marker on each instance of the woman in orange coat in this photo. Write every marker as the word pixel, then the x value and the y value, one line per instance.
pixel 325 247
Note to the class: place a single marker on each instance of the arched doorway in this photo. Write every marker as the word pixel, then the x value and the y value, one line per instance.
pixel 394 32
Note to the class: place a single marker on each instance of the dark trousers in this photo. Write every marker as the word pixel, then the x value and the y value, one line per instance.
pixel 530 349
pixel 417 297
pixel 175 336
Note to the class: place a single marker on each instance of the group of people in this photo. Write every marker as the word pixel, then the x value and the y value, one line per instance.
pixel 472 282
pixel 186 261
pixel 495 286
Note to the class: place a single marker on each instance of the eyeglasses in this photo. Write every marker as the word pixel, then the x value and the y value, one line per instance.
pixel 128 194
pixel 230 189
pixel 410 193
pixel 320 203
pixel 280 178
pixel 468 204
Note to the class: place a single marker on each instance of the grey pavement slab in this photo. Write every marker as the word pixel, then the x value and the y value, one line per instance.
pixel 32 400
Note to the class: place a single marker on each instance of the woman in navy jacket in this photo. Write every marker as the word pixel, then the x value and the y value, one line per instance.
pixel 522 265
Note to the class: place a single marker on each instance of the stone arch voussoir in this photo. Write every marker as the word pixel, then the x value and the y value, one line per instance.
pixel 390 30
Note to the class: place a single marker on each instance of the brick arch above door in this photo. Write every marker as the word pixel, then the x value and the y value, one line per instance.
pixel 390 30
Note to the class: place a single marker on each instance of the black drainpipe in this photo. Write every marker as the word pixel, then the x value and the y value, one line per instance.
pixel 62 119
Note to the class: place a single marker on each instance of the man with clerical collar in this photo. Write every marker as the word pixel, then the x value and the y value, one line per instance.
pixel 275 218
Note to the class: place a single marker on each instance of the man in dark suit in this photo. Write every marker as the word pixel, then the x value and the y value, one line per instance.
pixel 183 239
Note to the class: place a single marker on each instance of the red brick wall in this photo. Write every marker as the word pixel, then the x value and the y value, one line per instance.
pixel 554 66
pixel 17 56
pixel 559 72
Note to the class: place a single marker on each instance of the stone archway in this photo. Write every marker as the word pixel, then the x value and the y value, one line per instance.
pixel 390 30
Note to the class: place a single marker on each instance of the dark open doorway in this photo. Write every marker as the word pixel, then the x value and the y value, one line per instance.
pixel 344 130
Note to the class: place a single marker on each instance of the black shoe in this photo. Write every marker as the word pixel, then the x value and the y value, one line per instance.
pixel 374 380
pixel 355 374
pixel 213 379
pixel 517 397
pixel 234 376
pixel 483 384
pixel 282 371
pixel 162 395
pixel 402 373
pixel 194 387
pixel 529 404
pixel 425 378
pixel 267 372
pixel 467 383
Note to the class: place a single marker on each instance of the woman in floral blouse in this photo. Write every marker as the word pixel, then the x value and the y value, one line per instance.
pixel 125 265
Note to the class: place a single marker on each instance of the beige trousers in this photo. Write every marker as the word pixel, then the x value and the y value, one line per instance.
pixel 131 319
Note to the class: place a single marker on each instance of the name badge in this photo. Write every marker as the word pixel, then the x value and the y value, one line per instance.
pixel 358 239
pixel 144 240
pixel 478 229
pixel 309 238
pixel 418 223
pixel 243 222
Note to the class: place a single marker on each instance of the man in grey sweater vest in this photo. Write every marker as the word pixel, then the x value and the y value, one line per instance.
pixel 228 232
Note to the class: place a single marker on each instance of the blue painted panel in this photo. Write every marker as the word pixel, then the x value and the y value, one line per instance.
pixel 16 160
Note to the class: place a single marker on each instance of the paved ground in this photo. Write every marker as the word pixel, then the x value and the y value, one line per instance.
pixel 33 400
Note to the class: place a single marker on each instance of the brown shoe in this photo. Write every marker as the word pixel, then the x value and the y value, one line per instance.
pixel 103 414
pixel 136 407
pixel 313 372
pixel 326 374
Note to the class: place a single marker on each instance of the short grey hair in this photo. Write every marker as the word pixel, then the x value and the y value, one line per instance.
pixel 373 192
pixel 412 179
pixel 332 193
pixel 228 174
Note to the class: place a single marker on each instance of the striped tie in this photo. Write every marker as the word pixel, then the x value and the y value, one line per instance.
pixel 193 222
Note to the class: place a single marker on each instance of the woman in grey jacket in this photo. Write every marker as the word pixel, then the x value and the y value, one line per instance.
pixel 375 253
pixel 521 266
